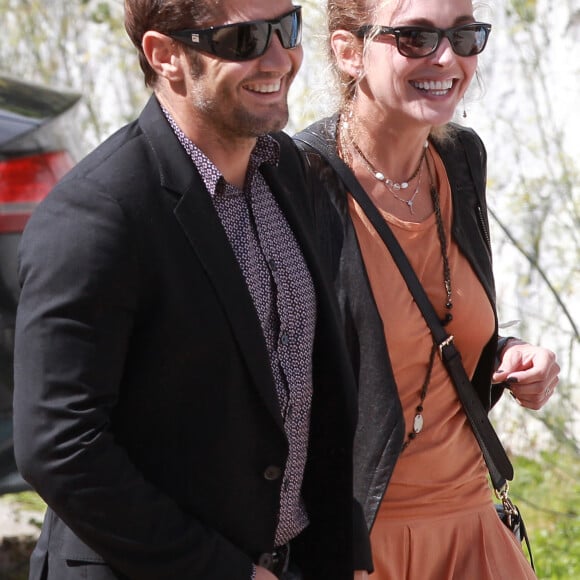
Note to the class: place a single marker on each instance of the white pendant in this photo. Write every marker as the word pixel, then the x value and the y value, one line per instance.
pixel 418 423
pixel 380 176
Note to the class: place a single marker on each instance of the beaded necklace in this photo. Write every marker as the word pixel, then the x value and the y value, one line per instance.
pixel 418 420
pixel 393 186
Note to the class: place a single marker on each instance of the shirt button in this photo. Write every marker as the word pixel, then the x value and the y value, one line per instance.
pixel 284 339
pixel 272 473
pixel 273 265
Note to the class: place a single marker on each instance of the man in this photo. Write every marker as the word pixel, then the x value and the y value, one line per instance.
pixel 182 398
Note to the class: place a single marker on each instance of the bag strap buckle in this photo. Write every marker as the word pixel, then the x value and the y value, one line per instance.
pixel 447 342
pixel 509 508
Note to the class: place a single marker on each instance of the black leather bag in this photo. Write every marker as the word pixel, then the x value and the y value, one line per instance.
pixel 511 517
pixel 513 521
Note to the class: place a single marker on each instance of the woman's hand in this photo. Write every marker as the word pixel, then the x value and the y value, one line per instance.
pixel 531 373
pixel 263 574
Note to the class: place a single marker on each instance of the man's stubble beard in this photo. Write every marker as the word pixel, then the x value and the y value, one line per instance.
pixel 232 121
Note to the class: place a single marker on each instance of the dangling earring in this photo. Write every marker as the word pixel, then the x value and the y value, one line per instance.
pixel 464 111
pixel 346 117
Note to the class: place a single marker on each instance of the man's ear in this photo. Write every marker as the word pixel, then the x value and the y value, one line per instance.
pixel 163 55
pixel 348 52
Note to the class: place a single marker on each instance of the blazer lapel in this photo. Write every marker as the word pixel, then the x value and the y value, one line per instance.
pixel 466 208
pixel 201 225
pixel 197 217
pixel 330 357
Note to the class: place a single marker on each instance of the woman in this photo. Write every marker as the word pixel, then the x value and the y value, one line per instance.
pixel 404 66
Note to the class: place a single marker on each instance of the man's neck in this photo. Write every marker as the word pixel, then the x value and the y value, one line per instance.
pixel 229 153
pixel 231 157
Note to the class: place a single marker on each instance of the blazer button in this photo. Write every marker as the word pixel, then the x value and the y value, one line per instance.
pixel 272 473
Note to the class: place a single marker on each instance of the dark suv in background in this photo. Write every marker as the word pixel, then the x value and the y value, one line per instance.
pixel 36 150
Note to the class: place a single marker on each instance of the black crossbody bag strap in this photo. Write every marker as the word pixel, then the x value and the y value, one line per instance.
pixel 496 459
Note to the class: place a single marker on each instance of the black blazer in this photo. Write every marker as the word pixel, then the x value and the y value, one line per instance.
pixel 145 410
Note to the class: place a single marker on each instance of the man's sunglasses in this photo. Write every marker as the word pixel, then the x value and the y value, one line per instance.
pixel 244 40
pixel 421 41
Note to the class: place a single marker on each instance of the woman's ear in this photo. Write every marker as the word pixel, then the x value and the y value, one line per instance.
pixel 348 52
pixel 163 55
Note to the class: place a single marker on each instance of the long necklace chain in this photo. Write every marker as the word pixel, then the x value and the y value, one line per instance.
pixel 393 186
pixel 418 420
pixel 444 250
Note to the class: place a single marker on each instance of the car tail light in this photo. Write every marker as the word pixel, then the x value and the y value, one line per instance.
pixel 24 182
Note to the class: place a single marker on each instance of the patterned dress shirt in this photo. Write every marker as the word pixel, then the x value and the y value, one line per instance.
pixel 283 294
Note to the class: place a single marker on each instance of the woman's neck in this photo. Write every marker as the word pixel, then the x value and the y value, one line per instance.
pixel 389 147
pixel 391 165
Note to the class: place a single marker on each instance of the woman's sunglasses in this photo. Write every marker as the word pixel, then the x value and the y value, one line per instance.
pixel 244 40
pixel 421 41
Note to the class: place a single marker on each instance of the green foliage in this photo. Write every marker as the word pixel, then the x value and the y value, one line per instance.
pixel 102 13
pixel 547 491
pixel 27 500
pixel 525 10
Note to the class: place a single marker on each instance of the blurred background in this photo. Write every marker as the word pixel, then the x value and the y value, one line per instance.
pixel 525 109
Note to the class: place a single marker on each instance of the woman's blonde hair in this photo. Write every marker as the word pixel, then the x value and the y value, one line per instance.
pixel 350 15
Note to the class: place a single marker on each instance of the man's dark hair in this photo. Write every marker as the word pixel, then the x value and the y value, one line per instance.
pixel 164 16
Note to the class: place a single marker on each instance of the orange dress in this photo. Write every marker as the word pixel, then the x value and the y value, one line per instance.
pixel 437 520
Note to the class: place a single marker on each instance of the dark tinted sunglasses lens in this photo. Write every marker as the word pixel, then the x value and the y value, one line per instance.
pixel 416 42
pixel 469 40
pixel 240 41
pixel 290 30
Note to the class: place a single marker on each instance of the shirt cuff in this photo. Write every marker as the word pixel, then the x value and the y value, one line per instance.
pixel 501 344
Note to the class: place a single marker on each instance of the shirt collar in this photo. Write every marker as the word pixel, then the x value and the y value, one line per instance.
pixel 266 151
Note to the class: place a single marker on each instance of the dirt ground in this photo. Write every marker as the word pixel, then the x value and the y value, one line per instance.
pixel 19 531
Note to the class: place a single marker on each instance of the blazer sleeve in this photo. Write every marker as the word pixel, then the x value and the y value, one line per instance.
pixel 79 274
